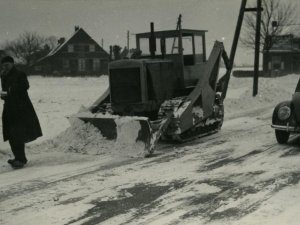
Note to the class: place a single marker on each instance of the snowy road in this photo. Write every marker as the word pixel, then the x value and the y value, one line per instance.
pixel 232 177
pixel 237 176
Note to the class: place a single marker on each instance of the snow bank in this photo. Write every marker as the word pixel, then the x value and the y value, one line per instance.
pixel 271 91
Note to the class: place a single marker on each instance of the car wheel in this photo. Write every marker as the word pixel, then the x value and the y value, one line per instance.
pixel 282 136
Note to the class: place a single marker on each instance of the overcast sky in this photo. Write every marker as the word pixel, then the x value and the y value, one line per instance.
pixel 110 19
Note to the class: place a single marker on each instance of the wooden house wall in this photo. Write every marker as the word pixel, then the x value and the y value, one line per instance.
pixel 286 49
pixel 289 63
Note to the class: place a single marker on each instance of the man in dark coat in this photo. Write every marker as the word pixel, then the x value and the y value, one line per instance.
pixel 20 123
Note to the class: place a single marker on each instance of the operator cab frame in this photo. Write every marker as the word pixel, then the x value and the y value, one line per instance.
pixel 186 48
pixel 188 45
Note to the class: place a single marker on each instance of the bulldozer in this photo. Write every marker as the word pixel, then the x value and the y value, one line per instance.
pixel 169 88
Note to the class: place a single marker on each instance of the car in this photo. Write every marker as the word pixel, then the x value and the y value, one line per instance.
pixel 286 117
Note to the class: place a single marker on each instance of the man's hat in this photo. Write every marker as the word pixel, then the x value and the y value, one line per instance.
pixel 6 59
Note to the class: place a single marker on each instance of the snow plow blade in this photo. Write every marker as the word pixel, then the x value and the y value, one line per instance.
pixel 125 129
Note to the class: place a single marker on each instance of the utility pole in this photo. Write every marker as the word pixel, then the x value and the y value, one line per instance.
pixel 128 40
pixel 237 32
pixel 257 48
pixel 258 10
pixel 102 42
pixel 234 45
pixel 244 9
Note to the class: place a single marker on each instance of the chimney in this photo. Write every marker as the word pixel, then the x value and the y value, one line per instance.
pixel 61 40
pixel 76 28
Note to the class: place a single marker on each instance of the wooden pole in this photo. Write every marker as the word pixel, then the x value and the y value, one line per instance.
pixel 128 40
pixel 257 48
pixel 237 31
pixel 234 46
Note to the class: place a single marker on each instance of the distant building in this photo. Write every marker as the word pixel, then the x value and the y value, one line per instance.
pixel 284 55
pixel 79 55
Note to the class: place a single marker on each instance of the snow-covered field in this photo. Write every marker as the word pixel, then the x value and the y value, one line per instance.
pixel 238 176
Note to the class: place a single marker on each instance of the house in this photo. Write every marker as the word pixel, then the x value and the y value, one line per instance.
pixel 79 55
pixel 284 55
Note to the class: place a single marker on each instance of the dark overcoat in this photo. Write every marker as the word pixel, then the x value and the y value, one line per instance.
pixel 19 120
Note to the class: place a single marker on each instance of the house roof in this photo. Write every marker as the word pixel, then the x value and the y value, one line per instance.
pixel 293 29
pixel 285 43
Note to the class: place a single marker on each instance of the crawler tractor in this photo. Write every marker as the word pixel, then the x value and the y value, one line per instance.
pixel 169 87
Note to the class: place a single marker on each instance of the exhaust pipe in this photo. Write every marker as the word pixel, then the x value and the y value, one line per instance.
pixel 152 41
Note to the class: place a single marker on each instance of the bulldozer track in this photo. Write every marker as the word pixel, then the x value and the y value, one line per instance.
pixel 199 129
pixel 220 133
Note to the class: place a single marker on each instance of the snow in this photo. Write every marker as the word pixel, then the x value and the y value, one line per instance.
pixel 80 137
pixel 128 129
pixel 237 176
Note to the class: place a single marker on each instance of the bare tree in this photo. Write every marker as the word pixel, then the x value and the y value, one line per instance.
pixel 51 41
pixel 117 52
pixel 283 12
pixel 29 47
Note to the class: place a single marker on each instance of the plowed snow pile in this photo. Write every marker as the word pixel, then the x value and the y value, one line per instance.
pixel 85 138
pixel 127 130
pixel 82 138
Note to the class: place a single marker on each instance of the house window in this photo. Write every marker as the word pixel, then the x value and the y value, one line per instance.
pixel 296 43
pixel 89 64
pixel 276 61
pixel 38 68
pixel 81 48
pixel 92 48
pixel 96 64
pixel 76 48
pixel 65 63
pixel 70 48
pixel 81 65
